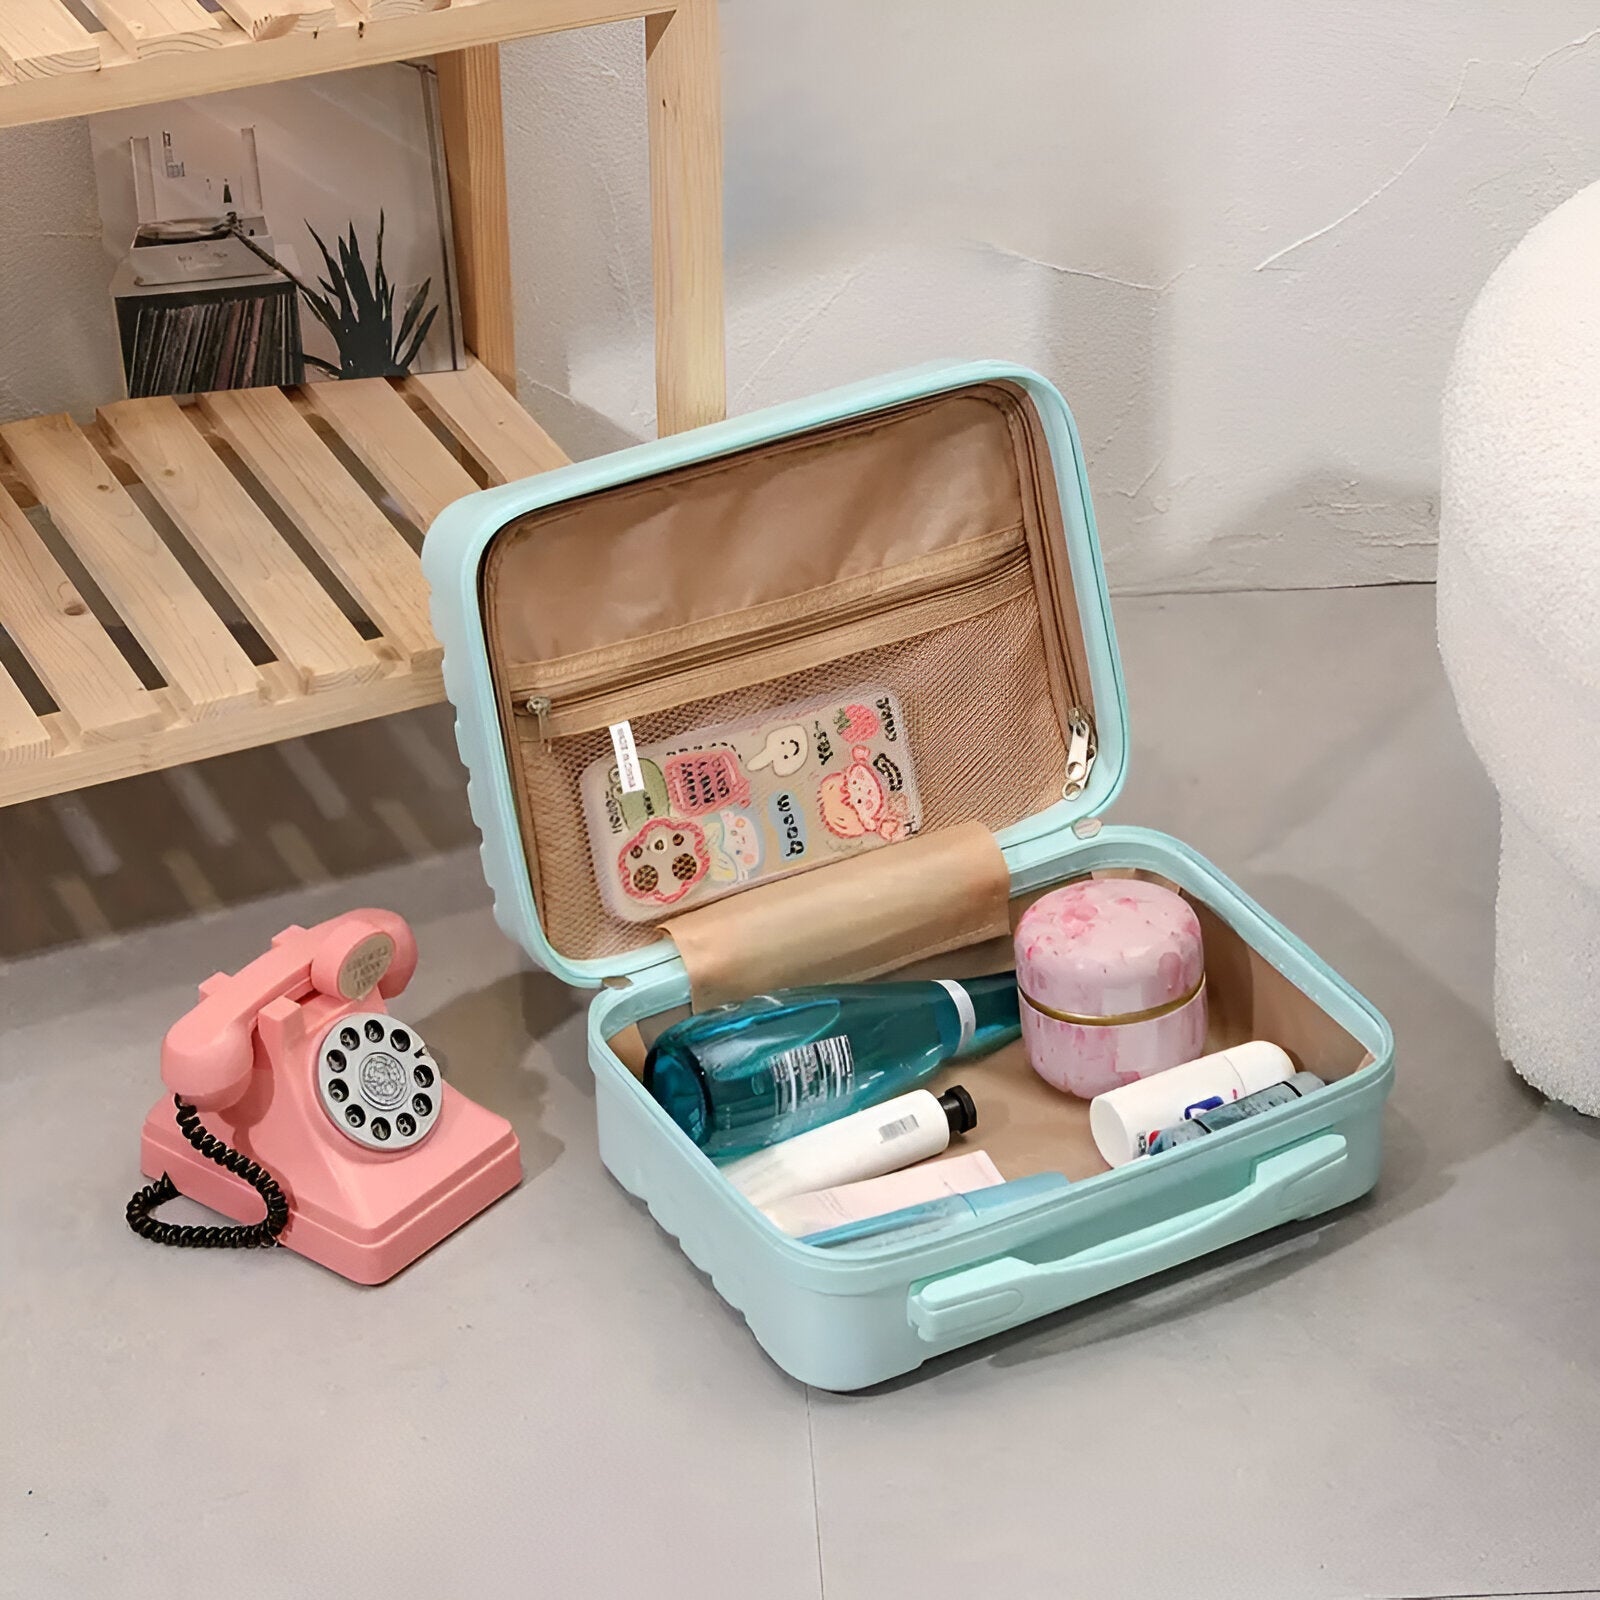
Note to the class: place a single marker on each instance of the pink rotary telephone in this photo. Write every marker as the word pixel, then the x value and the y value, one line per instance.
pixel 325 1108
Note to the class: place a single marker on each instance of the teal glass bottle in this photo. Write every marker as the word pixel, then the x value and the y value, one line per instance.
pixel 746 1075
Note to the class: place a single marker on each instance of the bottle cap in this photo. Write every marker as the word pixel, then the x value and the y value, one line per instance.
pixel 985 1005
pixel 676 1081
pixel 960 1109
pixel 1260 1064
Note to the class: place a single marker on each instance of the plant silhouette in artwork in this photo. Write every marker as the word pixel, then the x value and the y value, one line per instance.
pixel 358 309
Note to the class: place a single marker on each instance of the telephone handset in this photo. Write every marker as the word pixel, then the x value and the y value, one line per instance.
pixel 320 1105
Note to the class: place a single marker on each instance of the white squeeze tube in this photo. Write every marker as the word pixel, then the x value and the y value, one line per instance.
pixel 817 1210
pixel 1124 1121
pixel 881 1139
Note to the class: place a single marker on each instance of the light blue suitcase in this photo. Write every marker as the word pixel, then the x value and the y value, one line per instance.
pixel 828 1319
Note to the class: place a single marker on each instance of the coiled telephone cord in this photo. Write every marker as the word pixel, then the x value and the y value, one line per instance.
pixel 191 1236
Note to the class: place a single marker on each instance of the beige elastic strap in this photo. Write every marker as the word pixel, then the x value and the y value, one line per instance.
pixel 856 919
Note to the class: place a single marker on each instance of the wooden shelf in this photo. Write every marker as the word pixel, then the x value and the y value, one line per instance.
pixel 157 674
pixel 341 652
pixel 52 66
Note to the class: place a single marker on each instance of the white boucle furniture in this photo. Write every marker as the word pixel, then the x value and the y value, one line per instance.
pixel 1519 627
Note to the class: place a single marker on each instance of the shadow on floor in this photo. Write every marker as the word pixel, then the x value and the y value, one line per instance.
pixel 482 1039
pixel 196 839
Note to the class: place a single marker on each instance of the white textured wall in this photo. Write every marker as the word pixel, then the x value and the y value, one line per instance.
pixel 1240 236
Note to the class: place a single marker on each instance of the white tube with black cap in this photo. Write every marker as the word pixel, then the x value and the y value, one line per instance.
pixel 866 1144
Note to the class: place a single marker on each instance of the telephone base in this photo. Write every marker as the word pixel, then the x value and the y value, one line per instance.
pixel 475 1153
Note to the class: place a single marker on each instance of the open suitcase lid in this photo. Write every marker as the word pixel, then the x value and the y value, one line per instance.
pixel 461 538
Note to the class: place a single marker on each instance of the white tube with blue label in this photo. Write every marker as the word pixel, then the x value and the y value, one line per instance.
pixel 1224 1116
pixel 1124 1121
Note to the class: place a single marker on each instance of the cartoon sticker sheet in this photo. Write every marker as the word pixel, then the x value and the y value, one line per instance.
pixel 747 801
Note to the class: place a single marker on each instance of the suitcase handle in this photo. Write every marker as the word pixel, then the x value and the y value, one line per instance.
pixel 1284 1185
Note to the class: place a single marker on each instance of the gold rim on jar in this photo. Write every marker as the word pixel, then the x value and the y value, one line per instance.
pixel 1124 1020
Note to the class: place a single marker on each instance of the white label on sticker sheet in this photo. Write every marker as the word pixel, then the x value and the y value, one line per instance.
pixel 629 773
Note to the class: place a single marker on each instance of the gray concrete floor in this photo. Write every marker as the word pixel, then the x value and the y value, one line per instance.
pixel 1403 1399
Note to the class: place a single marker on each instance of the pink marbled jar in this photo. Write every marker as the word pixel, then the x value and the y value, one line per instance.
pixel 1112 976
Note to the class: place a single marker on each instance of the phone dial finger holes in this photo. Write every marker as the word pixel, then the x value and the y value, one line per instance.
pixel 368 1069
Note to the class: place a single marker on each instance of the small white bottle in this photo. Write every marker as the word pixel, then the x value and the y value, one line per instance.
pixel 1124 1121
pixel 866 1144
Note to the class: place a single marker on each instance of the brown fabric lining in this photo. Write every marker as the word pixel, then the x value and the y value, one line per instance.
pixel 957 687
pixel 816 611
pixel 756 527
pixel 1047 546
pixel 726 550
pixel 636 688
pixel 1026 1126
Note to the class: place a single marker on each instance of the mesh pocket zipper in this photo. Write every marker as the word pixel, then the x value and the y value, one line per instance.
pixel 587 693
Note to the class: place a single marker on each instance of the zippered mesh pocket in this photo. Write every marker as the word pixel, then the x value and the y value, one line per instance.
pixel 981 726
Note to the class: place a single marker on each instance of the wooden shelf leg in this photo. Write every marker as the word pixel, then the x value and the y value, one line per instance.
pixel 683 75
pixel 475 154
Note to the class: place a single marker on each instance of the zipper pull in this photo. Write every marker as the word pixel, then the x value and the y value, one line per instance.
pixel 1080 753
pixel 538 706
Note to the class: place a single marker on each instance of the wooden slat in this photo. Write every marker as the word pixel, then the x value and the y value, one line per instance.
pixel 131 81
pixel 271 19
pixel 684 85
pixel 475 161
pixel 394 444
pixel 250 558
pixel 288 716
pixel 20 490
pixel 54 628
pixel 23 737
pixel 491 426
pixel 332 510
pixel 42 39
pixel 139 575
pixel 155 27
pixel 381 10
